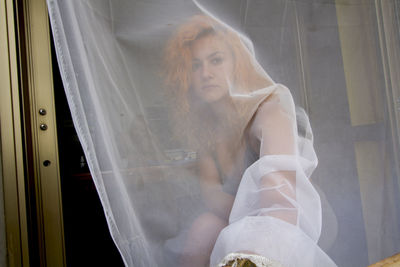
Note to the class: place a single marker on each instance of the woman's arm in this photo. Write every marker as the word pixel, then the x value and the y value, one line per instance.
pixel 275 130
pixel 215 198
pixel 277 211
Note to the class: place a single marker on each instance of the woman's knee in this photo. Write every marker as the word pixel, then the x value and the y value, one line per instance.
pixel 205 229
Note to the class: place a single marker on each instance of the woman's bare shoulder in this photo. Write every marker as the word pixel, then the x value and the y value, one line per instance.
pixel 269 113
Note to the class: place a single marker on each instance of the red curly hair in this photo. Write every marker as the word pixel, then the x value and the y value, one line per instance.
pixel 178 59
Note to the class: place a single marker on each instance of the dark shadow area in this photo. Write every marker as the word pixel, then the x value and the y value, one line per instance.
pixel 87 238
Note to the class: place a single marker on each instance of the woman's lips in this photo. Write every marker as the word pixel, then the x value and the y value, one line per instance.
pixel 209 87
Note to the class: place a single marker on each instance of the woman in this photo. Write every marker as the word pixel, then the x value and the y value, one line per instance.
pixel 231 112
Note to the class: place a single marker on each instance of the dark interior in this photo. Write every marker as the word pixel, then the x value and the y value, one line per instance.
pixel 87 238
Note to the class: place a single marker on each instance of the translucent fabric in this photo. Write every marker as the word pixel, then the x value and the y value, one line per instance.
pixel 197 153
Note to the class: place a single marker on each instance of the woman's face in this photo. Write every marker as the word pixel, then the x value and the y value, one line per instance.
pixel 212 68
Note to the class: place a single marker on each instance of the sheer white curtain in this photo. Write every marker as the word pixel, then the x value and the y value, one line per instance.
pixel 198 151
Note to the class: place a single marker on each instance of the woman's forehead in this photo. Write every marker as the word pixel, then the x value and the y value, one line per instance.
pixel 207 46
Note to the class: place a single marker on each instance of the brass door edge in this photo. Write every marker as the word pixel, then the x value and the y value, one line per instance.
pixel 11 142
pixel 39 93
pixel 392 261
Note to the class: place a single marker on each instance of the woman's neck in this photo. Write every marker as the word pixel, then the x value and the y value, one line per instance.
pixel 223 108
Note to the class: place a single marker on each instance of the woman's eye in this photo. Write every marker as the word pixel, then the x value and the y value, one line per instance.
pixel 217 60
pixel 195 66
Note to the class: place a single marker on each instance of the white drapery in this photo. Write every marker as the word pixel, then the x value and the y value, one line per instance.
pixel 155 140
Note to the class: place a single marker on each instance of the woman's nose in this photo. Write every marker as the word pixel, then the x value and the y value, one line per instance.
pixel 207 72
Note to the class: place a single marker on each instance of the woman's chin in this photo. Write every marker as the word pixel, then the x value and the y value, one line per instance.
pixel 213 97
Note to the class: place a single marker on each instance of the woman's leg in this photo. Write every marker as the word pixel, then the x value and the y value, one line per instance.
pixel 201 239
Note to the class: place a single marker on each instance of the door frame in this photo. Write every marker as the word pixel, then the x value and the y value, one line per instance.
pixel 31 176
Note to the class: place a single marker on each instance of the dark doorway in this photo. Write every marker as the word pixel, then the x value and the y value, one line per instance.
pixel 87 238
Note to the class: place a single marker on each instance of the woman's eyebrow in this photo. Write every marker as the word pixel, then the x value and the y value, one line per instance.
pixel 209 56
pixel 215 53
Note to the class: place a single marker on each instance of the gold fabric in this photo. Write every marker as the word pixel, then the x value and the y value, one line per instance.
pixel 240 263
